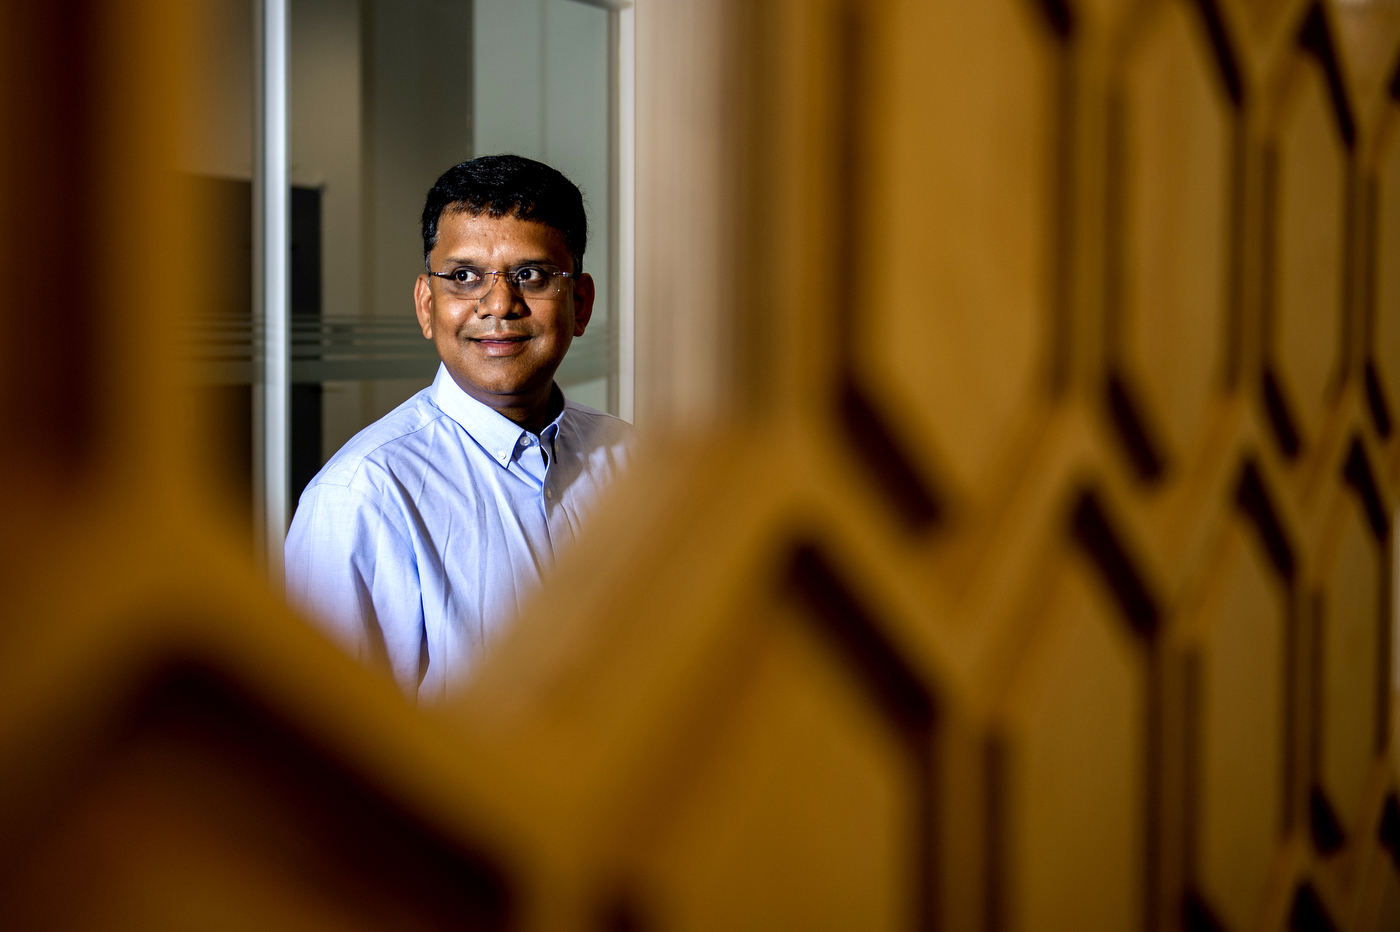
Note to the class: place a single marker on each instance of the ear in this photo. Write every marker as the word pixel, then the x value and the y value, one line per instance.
pixel 584 293
pixel 423 304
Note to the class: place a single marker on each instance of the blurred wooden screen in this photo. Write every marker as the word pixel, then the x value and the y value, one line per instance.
pixel 1014 550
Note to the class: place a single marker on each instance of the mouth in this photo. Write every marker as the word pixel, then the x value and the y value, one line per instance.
pixel 503 344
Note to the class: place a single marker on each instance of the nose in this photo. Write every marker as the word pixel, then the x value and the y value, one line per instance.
pixel 500 299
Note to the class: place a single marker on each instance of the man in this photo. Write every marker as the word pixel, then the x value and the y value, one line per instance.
pixel 431 528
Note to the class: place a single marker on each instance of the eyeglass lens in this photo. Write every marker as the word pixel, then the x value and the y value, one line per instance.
pixel 528 282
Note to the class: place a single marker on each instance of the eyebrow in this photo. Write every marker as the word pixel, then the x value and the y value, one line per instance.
pixel 462 260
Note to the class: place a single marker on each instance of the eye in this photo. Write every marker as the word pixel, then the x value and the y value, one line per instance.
pixel 466 276
pixel 530 275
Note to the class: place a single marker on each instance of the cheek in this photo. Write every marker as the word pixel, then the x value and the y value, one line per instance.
pixel 567 320
pixel 446 320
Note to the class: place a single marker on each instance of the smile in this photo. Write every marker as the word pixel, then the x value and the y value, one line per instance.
pixel 502 345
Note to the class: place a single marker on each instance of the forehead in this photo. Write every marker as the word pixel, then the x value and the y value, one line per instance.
pixel 465 235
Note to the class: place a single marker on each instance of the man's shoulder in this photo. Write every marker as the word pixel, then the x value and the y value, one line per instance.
pixel 598 428
pixel 395 436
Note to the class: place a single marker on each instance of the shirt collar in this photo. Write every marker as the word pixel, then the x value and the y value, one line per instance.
pixel 497 434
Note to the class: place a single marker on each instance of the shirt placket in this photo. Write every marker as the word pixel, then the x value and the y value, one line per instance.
pixel 535 457
pixel 530 458
pixel 529 463
pixel 553 510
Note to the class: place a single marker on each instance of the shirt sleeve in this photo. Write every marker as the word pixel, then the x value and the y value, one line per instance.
pixel 353 572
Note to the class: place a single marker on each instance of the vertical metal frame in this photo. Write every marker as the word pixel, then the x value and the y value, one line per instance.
pixel 271 285
pixel 624 199
pixel 622 175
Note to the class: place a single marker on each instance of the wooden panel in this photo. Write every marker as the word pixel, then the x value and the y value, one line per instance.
pixel 1306 285
pixel 1386 914
pixel 1265 13
pixel 1050 696
pixel 1075 778
pixel 201 812
pixel 798 808
pixel 1386 340
pixel 1176 206
pixel 1241 790
pixel 964 213
pixel 1350 640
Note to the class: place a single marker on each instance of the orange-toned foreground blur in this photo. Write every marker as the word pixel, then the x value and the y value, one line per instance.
pixel 1016 551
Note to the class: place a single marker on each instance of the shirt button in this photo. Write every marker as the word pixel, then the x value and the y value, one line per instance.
pixel 548 493
pixel 501 454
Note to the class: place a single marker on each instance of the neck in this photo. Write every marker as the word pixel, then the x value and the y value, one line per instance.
pixel 534 413
pixel 538 418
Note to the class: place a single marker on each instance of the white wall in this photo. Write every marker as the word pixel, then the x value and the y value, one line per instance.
pixel 541 91
pixel 412 98
pixel 325 136
pixel 418 114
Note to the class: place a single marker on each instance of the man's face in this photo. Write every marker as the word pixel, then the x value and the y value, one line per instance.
pixel 501 349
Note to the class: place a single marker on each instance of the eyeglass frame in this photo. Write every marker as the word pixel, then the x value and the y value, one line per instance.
pixel 496 273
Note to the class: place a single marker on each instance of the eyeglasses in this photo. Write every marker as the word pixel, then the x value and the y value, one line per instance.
pixel 528 281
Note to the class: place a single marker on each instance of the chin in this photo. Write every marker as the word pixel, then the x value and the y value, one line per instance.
pixel 507 388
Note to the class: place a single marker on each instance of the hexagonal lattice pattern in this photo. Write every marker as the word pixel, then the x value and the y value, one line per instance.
pixel 1241 780
pixel 740 824
pixel 799 768
pixel 194 787
pixel 1174 278
pixel 1159 708
pixel 1349 643
pixel 1075 766
pixel 1386 338
pixel 1263 13
pixel 969 220
pixel 1306 284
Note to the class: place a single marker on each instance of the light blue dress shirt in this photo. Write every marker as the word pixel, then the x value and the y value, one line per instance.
pixel 432 527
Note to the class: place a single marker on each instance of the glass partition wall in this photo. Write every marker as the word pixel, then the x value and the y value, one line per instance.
pixel 381 97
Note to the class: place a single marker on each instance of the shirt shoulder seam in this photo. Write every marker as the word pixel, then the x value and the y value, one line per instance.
pixel 383 515
pixel 594 413
pixel 363 457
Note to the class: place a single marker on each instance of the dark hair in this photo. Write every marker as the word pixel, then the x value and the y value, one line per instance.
pixel 500 185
